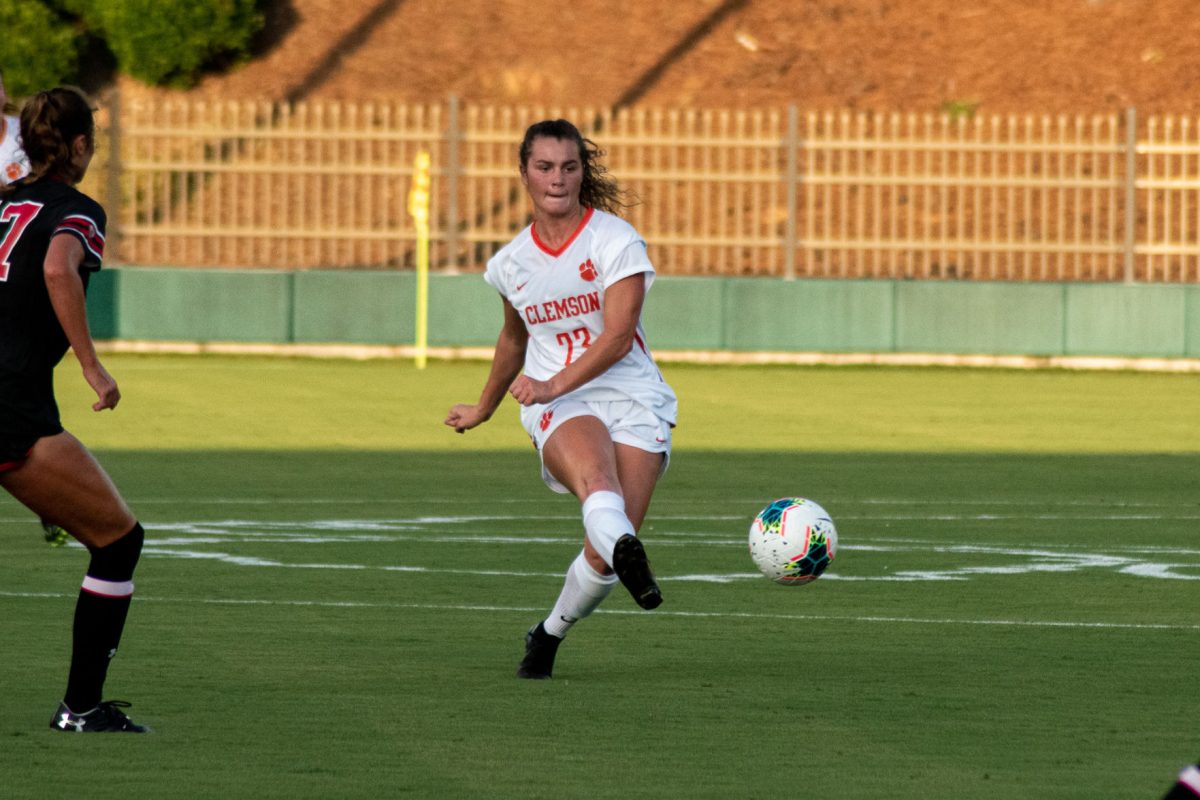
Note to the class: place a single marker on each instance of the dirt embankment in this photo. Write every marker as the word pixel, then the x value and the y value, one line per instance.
pixel 996 56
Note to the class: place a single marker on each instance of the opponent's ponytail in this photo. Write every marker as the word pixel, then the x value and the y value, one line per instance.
pixel 51 121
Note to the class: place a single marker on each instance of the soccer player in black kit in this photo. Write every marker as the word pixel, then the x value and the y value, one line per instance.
pixel 51 240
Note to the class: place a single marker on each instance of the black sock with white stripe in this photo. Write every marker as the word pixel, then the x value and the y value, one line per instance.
pixel 1188 785
pixel 100 617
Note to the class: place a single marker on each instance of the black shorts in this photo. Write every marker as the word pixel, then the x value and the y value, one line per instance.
pixel 15 449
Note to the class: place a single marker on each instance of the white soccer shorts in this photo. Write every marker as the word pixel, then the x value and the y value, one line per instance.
pixel 628 423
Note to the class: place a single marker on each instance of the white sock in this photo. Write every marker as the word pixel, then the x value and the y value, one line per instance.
pixel 583 590
pixel 605 521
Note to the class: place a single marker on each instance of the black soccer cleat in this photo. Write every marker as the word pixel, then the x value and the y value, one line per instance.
pixel 104 718
pixel 540 649
pixel 632 567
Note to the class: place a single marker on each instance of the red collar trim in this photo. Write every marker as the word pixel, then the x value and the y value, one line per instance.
pixel 587 215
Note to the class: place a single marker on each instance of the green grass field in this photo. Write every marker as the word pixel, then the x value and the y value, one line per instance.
pixel 335 587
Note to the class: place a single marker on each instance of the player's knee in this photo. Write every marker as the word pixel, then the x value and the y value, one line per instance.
pixel 116 561
pixel 98 525
pixel 599 483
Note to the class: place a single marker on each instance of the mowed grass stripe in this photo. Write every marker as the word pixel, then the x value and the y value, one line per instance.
pixel 289 404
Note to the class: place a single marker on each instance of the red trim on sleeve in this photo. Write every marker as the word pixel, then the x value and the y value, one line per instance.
pixel 86 230
pixel 8 466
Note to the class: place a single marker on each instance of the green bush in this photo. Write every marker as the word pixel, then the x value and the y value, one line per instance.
pixel 39 48
pixel 168 42
pixel 161 42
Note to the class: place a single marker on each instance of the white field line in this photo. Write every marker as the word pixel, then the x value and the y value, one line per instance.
pixel 1034 562
pixel 421 529
pixel 470 608
pixel 923 518
pixel 665 502
pixel 418 529
pixel 363 352
pixel 198 536
pixel 943 561
pixel 185 540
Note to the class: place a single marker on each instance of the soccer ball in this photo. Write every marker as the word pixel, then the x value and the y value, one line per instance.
pixel 792 541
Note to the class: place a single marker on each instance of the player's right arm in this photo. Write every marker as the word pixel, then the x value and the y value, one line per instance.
pixel 506 365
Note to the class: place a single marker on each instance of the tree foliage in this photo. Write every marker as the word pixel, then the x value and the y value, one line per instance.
pixel 160 42
pixel 168 42
pixel 39 47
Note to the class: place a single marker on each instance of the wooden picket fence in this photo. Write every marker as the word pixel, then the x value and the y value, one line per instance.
pixel 770 192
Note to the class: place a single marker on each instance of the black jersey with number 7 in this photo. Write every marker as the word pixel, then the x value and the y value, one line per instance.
pixel 32 341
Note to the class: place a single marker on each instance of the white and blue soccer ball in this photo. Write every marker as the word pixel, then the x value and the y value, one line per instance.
pixel 793 541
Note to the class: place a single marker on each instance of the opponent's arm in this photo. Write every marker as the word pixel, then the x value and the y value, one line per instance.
pixel 622 310
pixel 506 365
pixel 65 286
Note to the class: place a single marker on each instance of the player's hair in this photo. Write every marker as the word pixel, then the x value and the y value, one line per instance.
pixel 599 189
pixel 51 121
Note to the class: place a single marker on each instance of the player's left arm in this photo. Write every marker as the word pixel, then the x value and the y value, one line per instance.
pixel 622 311
pixel 64 257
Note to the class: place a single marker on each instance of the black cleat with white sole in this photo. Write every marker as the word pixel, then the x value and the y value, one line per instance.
pixel 633 568
pixel 540 649
pixel 104 718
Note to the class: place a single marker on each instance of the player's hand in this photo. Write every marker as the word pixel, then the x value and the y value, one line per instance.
pixel 527 391
pixel 104 386
pixel 463 417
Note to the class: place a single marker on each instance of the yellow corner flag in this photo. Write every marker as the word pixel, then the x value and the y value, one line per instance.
pixel 418 208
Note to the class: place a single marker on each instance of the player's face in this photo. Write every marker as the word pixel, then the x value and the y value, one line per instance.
pixel 553 175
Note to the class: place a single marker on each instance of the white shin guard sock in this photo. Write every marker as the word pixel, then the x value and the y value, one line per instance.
pixel 605 521
pixel 583 590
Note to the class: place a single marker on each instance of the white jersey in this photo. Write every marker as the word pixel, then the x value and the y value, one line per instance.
pixel 13 163
pixel 560 295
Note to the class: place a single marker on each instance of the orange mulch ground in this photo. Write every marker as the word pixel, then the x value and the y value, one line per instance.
pixel 998 56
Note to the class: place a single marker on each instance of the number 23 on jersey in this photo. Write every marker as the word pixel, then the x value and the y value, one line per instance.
pixel 580 337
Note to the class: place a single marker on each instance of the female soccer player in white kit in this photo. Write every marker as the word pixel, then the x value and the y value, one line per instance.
pixel 573 353
pixel 14 164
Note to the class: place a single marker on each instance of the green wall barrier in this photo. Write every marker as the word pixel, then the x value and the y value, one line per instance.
pixel 102 304
pixel 199 305
pixel 731 314
pixel 989 318
pixel 359 307
pixel 1126 320
pixel 1191 306
pixel 809 315
pixel 463 311
pixel 685 314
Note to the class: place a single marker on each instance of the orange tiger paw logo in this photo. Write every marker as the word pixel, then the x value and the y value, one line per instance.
pixel 587 270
